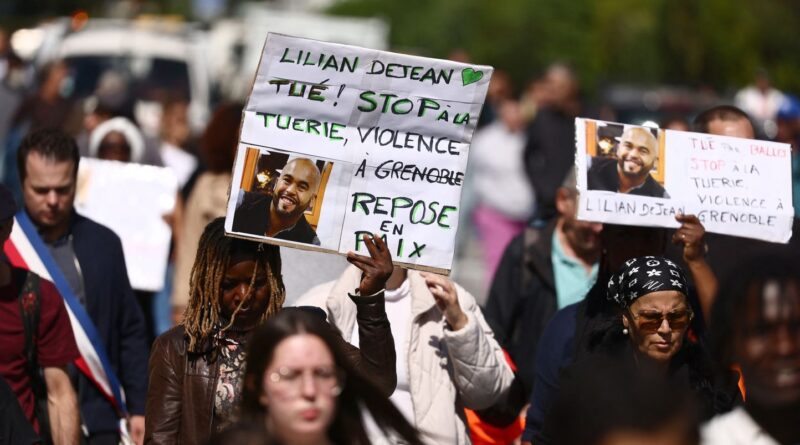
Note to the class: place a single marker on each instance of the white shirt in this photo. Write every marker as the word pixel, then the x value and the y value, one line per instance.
pixel 182 164
pixel 498 171
pixel 735 428
pixel 398 310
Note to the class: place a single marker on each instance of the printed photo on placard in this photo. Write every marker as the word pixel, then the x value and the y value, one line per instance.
pixel 281 196
pixel 625 159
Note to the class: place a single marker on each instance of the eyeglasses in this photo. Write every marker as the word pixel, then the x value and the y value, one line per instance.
pixel 326 379
pixel 650 321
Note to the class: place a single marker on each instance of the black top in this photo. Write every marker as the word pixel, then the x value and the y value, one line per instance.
pixel 603 175
pixel 252 216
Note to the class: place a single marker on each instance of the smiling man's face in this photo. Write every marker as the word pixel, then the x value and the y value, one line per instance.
pixel 636 152
pixel 295 188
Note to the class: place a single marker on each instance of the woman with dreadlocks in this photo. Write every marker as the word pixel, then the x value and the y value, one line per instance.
pixel 196 368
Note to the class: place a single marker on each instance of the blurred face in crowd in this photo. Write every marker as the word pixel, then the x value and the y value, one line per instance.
pixel 299 389
pixel 739 128
pixel 175 123
pixel 767 344
pixel 236 291
pixel 561 86
pixel 511 116
pixel 114 147
pixel 295 188
pixel 657 323
pixel 636 152
pixel 48 190
pixel 582 236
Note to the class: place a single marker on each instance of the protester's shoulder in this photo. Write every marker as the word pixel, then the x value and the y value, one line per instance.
pixel 562 324
pixel 90 229
pixel 172 340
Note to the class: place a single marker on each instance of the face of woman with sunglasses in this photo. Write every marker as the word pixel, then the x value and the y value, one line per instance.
pixel 299 390
pixel 657 323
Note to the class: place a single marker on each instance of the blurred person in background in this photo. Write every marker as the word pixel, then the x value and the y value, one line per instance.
pixel 447 357
pixel 540 273
pixel 500 90
pixel 533 98
pixel 302 389
pixel 12 91
pixel 612 404
pixel 47 107
pixel 788 121
pixel 503 193
pixel 117 139
pixel 91 259
pixel 109 99
pixel 678 123
pixel 175 134
pixel 550 149
pixel 175 139
pixel 208 197
pixel 197 368
pixel 761 101
pixel 755 326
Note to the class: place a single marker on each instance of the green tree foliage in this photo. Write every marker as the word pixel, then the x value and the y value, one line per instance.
pixel 710 42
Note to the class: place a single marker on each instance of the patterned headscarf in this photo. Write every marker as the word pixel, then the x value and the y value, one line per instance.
pixel 643 275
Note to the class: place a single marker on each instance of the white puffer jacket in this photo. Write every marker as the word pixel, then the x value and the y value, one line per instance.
pixel 447 370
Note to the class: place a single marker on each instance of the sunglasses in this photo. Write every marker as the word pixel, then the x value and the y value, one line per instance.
pixel 650 321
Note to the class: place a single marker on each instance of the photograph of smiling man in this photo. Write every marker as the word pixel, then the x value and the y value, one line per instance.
pixel 280 197
pixel 628 166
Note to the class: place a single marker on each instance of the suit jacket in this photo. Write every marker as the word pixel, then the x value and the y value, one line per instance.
pixel 118 318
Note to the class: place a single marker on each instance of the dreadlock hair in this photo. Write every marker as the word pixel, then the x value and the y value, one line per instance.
pixel 202 320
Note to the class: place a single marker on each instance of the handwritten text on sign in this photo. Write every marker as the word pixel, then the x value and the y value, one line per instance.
pixel 735 186
pixel 396 129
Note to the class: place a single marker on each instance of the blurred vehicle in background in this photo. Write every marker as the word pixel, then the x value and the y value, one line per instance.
pixel 157 59
pixel 235 44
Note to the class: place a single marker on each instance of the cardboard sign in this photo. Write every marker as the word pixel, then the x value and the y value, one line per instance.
pixel 644 176
pixel 338 141
pixel 133 201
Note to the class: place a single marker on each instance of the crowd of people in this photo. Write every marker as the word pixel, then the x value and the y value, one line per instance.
pixel 591 333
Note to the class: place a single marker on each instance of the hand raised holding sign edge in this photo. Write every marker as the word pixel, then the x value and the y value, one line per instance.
pixel 375 268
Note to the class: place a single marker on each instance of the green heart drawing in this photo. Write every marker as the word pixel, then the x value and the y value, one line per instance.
pixel 469 75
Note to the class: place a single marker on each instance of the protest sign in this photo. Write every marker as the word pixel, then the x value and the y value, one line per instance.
pixel 132 200
pixel 338 141
pixel 644 176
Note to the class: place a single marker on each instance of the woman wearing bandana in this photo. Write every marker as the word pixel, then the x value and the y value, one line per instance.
pixel 652 329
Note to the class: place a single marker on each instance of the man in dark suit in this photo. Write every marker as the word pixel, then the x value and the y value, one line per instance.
pixel 281 215
pixel 630 171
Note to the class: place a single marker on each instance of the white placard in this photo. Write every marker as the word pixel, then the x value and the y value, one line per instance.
pixel 388 135
pixel 132 200
pixel 643 176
